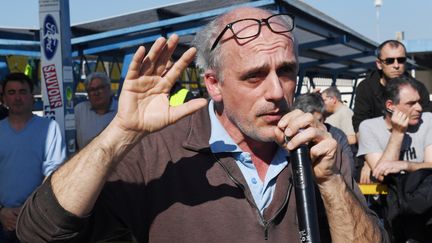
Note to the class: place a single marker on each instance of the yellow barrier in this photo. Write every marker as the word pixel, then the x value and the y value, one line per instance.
pixel 373 189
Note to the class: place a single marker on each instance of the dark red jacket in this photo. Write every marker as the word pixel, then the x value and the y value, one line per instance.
pixel 171 188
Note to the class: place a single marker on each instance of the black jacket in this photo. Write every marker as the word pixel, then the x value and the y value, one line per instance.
pixel 409 205
pixel 369 101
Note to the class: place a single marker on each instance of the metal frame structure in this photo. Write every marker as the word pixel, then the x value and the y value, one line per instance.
pixel 327 48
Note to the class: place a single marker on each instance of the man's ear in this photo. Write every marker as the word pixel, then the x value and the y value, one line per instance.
pixel 378 64
pixel 213 85
pixel 389 106
pixel 334 100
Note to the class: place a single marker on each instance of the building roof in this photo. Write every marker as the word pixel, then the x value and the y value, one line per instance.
pixel 327 48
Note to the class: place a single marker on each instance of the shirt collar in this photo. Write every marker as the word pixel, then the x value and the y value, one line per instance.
pixel 220 141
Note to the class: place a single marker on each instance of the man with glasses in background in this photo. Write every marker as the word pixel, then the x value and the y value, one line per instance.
pixel 199 172
pixel 369 101
pixel 338 114
pixel 93 115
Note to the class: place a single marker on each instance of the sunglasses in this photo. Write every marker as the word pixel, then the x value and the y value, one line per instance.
pixel 391 60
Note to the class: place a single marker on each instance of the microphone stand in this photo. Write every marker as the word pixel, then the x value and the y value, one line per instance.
pixel 305 195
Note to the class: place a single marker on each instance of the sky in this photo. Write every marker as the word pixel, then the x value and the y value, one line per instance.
pixel 410 16
pixel 413 17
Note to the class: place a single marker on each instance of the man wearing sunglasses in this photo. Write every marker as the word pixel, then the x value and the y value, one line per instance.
pixel 199 172
pixel 390 63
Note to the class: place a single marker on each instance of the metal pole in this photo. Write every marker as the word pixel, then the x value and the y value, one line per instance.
pixel 378 4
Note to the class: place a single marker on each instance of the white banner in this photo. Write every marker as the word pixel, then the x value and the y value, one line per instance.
pixel 51 64
pixel 56 68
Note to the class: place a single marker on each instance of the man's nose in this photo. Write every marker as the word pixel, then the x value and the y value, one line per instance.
pixel 274 88
pixel 396 64
pixel 18 97
pixel 418 107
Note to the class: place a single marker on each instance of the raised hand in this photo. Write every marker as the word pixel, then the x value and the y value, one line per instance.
pixel 144 102
pixel 143 108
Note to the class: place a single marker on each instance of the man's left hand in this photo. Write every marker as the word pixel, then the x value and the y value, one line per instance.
pixel 8 218
pixel 303 128
pixel 385 168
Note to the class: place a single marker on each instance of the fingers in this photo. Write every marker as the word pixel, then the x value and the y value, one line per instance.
pixel 154 63
pixel 365 179
pixel 10 225
pixel 151 60
pixel 185 109
pixel 153 68
pixel 385 168
pixel 399 119
pixel 9 218
pixel 322 156
pixel 296 121
pixel 385 171
pixel 303 128
pixel 135 65
pixel 292 122
pixel 163 63
pixel 280 137
pixel 378 171
pixel 305 136
pixel 365 174
pixel 174 72
pixel 326 147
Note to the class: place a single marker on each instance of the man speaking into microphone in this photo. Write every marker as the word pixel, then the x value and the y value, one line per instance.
pixel 203 171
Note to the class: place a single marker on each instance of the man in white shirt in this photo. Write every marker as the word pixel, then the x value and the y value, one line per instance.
pixel 341 115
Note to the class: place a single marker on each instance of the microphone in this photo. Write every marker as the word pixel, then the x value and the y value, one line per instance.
pixel 305 195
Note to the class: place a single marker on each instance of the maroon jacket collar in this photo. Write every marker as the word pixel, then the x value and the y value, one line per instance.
pixel 198 140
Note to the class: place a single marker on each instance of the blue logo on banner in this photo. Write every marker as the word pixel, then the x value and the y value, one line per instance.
pixel 51 37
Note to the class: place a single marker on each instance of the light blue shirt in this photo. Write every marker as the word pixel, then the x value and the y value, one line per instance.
pixel 27 157
pixel 262 192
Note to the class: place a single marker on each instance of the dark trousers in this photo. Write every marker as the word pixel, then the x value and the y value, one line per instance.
pixel 8 236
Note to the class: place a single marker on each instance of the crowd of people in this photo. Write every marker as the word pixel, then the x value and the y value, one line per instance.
pixel 165 167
